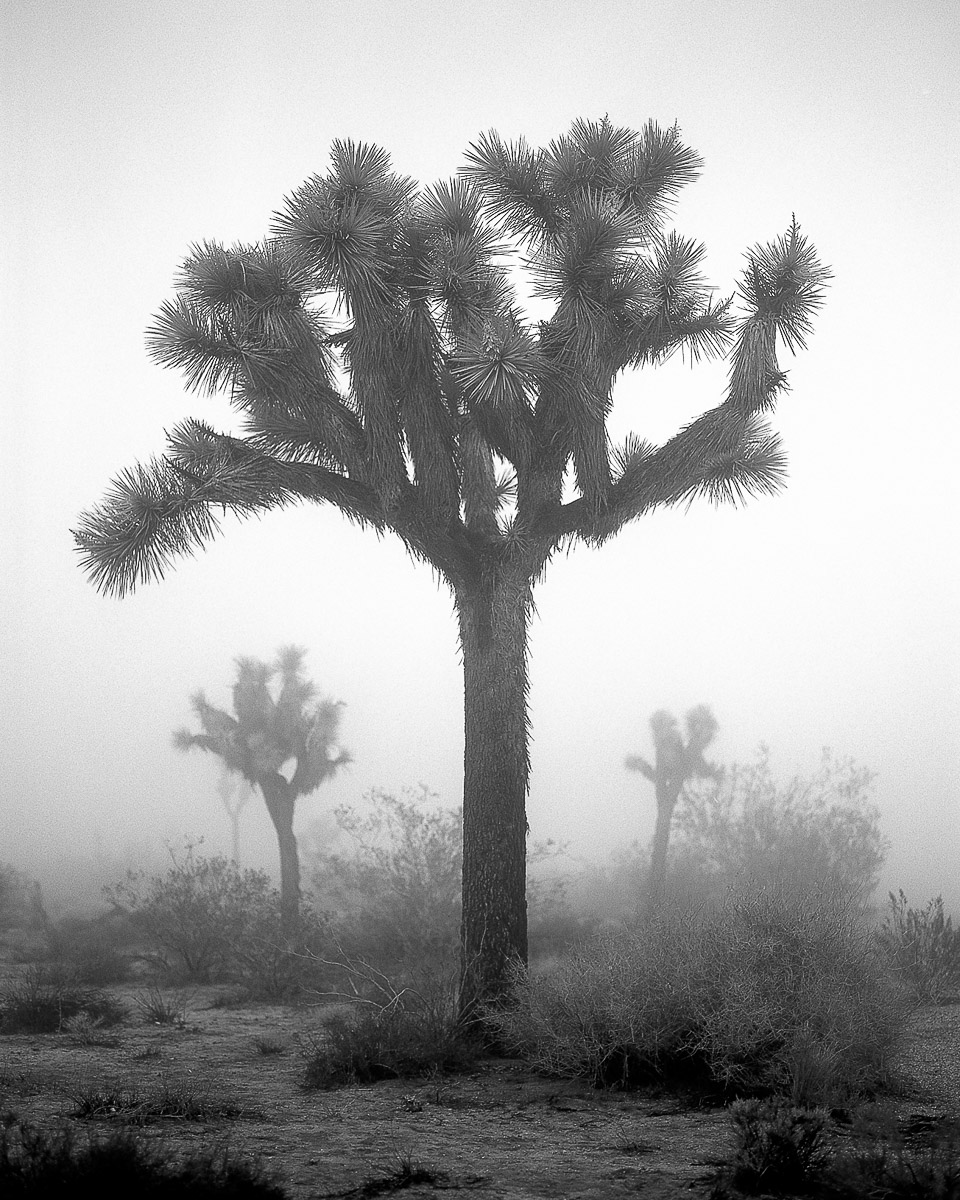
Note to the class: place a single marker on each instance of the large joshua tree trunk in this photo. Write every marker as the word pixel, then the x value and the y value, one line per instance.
pixel 494 615
pixel 280 800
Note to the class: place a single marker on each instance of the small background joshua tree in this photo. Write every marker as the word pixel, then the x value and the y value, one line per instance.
pixel 676 762
pixel 285 746
pixel 235 793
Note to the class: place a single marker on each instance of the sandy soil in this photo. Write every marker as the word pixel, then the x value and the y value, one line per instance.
pixel 497 1132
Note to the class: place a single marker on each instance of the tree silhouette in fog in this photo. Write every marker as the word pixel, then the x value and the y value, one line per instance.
pixel 377 354
pixel 285 746
pixel 235 793
pixel 675 763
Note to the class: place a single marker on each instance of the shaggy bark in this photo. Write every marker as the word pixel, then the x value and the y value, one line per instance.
pixel 493 634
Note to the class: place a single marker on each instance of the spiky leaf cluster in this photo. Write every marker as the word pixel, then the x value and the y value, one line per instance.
pixel 678 759
pixel 271 725
pixel 378 359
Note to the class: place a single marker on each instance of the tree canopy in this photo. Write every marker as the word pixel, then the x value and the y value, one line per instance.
pixel 265 733
pixel 375 350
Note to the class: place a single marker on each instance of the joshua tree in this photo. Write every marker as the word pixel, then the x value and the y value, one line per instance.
pixel 281 746
pixel 675 763
pixel 376 353
pixel 234 792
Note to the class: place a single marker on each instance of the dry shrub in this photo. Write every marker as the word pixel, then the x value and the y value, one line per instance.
pixel 370 1045
pixel 900 1167
pixel 394 897
pixel 98 950
pixel 821 832
pixel 766 990
pixel 780 1149
pixel 209 921
pixel 923 948
pixel 392 1030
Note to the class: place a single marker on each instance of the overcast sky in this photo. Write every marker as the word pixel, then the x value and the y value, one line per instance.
pixel 825 616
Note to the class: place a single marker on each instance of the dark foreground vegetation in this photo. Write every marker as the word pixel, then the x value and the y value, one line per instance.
pixel 782 1150
pixel 765 981
pixel 37 1164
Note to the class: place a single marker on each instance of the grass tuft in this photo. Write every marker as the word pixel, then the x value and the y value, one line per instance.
pixel 409 1172
pixel 923 948
pixel 158 1009
pixel 44 998
pixel 171 1100
pixel 269 1046
pixel 372 1045
pixel 84 1030
pixel 404 1033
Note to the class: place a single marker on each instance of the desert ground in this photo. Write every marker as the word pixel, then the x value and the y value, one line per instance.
pixel 235 1072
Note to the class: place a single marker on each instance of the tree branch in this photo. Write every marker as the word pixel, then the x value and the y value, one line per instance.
pixel 162 511
pixel 723 455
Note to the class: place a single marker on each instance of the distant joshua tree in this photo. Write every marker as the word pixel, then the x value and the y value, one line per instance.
pixel 282 746
pixel 675 763
pixel 235 793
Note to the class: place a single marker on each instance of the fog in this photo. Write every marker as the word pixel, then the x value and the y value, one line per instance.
pixel 827 616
